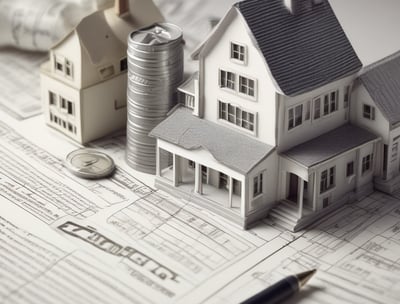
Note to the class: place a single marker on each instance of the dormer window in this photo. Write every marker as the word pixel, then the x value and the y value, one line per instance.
pixel 238 52
pixel 63 66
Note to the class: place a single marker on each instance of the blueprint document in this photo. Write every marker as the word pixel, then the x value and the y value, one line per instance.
pixel 68 240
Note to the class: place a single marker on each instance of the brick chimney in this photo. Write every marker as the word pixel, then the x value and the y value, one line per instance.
pixel 121 7
pixel 295 7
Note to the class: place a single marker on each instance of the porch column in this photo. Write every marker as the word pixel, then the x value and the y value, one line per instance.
pixel 300 197
pixel 176 170
pixel 158 161
pixel 243 202
pixel 198 182
pixel 230 201
pixel 315 191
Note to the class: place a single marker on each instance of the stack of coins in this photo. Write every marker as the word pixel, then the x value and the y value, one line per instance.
pixel 155 70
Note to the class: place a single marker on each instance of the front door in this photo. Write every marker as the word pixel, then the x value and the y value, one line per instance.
pixel 293 187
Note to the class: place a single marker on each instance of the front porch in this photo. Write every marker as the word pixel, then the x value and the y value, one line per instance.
pixel 208 186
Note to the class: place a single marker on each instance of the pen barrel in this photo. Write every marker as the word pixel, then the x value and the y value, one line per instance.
pixel 277 292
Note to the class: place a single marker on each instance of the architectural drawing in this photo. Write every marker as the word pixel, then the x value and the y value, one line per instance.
pixel 281 119
pixel 84 83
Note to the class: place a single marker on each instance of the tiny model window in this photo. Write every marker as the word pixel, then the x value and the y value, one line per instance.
pixel 236 115
pixel 327 179
pixel 63 103
pixel 59 63
pixel 246 86
pixel 258 185
pixel 369 112
pixel 68 68
pixel 52 98
pixel 366 163
pixel 295 116
pixel 123 64
pixel 238 52
pixel 317 108
pixel 227 79
pixel 350 169
pixel 330 103
pixel 308 111
pixel 70 107
pixel 107 71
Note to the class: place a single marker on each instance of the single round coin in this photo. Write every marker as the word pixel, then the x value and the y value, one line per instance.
pixel 89 164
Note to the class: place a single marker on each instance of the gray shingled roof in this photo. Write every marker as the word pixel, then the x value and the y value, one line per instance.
pixel 236 151
pixel 303 51
pixel 329 145
pixel 383 85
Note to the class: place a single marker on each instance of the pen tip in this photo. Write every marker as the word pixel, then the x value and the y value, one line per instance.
pixel 304 277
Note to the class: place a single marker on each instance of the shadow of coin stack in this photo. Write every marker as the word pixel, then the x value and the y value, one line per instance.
pixel 155 70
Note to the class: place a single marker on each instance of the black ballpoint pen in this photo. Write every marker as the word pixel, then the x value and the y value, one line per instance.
pixel 281 290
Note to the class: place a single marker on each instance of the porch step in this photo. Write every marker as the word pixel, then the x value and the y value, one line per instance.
pixel 285 214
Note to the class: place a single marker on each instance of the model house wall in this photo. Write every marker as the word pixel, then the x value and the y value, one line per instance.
pixel 217 60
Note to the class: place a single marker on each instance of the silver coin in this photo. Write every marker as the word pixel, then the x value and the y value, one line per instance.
pixel 89 164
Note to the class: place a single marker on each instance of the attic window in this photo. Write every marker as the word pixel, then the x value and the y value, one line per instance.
pixel 107 71
pixel 123 64
pixel 238 52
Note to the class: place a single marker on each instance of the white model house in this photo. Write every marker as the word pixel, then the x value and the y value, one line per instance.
pixel 271 125
pixel 83 85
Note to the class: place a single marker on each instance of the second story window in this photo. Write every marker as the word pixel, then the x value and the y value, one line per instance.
pixel 63 66
pixel 236 115
pixel 227 79
pixel 246 86
pixel 238 52
pixel 369 112
pixel 295 116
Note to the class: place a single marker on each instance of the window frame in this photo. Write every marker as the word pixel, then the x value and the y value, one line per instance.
pixel 232 52
pixel 370 115
pixel 350 169
pixel 224 80
pixel 246 121
pixel 294 117
pixel 258 185
pixel 367 164
pixel 327 180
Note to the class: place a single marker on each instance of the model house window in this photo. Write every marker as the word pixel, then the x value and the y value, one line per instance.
pixel 236 115
pixel 327 179
pixel 238 52
pixel 366 163
pixel 52 98
pixel 317 108
pixel 295 116
pixel 59 63
pixel 350 169
pixel 258 185
pixel 369 112
pixel 123 64
pixel 68 68
pixel 63 103
pixel 107 71
pixel 246 86
pixel 330 103
pixel 70 107
pixel 227 79
pixel 334 101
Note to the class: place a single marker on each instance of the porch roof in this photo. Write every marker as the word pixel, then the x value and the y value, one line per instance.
pixel 231 148
pixel 329 145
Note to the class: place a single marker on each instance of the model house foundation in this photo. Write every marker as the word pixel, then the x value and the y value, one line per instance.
pixel 281 119
pixel 84 83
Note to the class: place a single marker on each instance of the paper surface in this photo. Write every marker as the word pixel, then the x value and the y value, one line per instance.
pixel 118 240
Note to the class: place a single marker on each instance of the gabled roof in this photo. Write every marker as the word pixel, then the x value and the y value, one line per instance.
pixel 303 51
pixel 329 145
pixel 383 85
pixel 236 151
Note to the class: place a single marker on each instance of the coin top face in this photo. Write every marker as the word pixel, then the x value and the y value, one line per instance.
pixel 90 164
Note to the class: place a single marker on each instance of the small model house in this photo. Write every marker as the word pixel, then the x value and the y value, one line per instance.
pixel 84 83
pixel 279 120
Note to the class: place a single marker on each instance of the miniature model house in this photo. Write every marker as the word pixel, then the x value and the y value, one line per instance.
pixel 279 120
pixel 84 83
